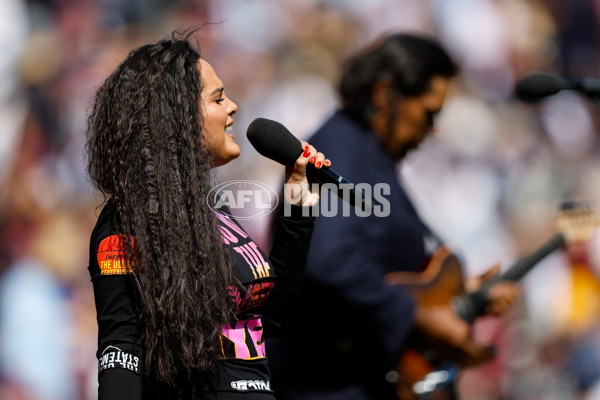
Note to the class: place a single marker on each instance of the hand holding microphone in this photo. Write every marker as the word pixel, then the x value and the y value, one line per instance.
pixel 297 189
pixel 274 141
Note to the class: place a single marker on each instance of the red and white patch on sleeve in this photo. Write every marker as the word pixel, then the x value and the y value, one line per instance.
pixel 112 258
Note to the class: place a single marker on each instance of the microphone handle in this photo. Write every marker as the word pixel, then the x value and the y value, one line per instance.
pixel 327 175
pixel 590 86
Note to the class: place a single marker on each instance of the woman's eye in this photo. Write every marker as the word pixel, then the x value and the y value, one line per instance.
pixel 219 101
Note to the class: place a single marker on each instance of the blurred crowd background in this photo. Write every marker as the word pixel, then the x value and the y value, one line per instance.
pixel 490 180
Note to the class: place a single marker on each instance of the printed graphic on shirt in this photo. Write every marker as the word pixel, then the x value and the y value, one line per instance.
pixel 238 240
pixel 256 295
pixel 114 357
pixel 245 386
pixel 111 256
pixel 243 339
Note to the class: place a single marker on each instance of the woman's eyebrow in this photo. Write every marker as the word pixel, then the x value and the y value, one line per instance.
pixel 217 90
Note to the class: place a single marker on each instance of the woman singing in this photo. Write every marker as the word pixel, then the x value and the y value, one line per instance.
pixel 184 298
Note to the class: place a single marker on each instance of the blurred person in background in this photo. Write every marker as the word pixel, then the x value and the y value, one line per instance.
pixel 39 357
pixel 349 326
pixel 182 292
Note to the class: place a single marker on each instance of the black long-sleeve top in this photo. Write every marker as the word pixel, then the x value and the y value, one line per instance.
pixel 261 311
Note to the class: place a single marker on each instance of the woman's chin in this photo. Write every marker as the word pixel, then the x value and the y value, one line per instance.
pixel 225 159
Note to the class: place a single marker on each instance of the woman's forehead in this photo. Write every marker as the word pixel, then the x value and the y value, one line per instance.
pixel 208 74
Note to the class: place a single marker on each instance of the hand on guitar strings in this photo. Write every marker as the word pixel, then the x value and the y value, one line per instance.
pixel 442 326
pixel 502 296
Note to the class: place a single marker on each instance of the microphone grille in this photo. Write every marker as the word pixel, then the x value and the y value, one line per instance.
pixel 274 141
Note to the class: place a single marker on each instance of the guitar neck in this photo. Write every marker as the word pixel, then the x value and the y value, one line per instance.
pixel 524 265
pixel 472 305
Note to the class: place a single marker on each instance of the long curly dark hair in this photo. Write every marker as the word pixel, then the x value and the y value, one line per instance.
pixel 147 153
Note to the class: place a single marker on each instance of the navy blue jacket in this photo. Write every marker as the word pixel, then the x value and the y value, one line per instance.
pixel 349 326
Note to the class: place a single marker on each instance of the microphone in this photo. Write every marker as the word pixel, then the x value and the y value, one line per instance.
pixel 538 85
pixel 276 142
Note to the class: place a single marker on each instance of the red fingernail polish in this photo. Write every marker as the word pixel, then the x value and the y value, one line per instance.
pixel 318 164
pixel 306 153
pixel 312 159
pixel 306 147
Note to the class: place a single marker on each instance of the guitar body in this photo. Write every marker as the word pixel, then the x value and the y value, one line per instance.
pixel 435 286
pixel 441 280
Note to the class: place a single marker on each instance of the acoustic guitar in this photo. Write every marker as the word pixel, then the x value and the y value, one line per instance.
pixel 426 366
